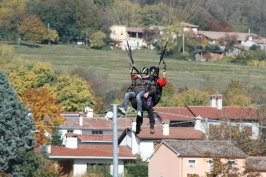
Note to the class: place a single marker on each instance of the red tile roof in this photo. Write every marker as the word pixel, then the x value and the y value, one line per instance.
pixel 174 133
pixel 96 137
pixel 101 123
pixel 90 151
pixel 174 113
pixel 245 113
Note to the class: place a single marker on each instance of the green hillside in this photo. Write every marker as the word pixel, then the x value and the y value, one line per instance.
pixel 115 64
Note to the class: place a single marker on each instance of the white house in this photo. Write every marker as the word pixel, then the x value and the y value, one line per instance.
pixel 145 143
pixel 80 151
pixel 120 34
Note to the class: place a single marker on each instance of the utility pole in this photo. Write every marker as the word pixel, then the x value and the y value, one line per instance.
pixel 115 142
pixel 49 42
pixel 86 37
pixel 183 43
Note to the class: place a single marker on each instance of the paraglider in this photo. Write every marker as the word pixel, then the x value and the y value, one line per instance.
pixel 145 90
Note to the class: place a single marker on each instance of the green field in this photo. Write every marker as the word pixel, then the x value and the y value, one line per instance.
pixel 115 64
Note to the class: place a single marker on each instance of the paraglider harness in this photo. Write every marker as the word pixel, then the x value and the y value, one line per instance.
pixel 157 96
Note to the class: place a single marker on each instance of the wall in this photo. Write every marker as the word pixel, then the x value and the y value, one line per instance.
pixel 80 165
pixel 164 163
pixel 146 149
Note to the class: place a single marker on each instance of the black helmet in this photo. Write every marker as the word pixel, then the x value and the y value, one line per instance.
pixel 155 70
pixel 144 70
pixel 152 68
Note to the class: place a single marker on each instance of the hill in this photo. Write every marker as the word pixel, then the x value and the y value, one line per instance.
pixel 115 64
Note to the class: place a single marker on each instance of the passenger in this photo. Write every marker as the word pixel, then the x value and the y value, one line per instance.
pixel 140 90
pixel 156 98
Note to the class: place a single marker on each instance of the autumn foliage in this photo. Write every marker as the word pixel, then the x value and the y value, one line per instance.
pixel 46 111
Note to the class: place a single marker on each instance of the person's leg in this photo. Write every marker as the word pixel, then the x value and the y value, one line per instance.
pixel 139 122
pixel 128 95
pixel 152 121
pixel 139 97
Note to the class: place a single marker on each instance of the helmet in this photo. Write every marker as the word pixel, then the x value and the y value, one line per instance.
pixel 144 70
pixel 155 70
pixel 152 68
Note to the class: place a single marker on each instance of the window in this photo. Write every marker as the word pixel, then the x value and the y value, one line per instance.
pixel 232 163
pixel 210 163
pixel 191 163
pixel 97 132
pixel 70 131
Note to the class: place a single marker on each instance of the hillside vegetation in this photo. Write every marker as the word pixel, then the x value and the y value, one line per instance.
pixel 115 63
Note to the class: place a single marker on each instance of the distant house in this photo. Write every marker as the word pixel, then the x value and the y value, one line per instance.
pixel 244 40
pixel 214 36
pixel 81 151
pixel 185 158
pixel 201 117
pixel 134 35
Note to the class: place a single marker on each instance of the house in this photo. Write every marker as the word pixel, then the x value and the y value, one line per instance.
pixel 83 123
pixel 184 158
pixel 241 117
pixel 120 34
pixel 144 143
pixel 201 117
pixel 214 36
pixel 80 151
pixel 259 163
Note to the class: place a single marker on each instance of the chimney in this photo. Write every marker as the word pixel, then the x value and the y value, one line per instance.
pixel 49 147
pixel 166 128
pixel 219 101
pixel 80 118
pixel 89 112
pixel 213 101
pixel 134 142
pixel 71 142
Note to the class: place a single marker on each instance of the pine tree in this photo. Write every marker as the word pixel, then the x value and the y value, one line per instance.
pixel 16 126
pixel 56 138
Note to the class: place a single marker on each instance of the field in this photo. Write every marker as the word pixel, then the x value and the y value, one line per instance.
pixel 115 64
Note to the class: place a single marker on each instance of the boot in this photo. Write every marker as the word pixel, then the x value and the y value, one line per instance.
pixel 137 129
pixel 152 129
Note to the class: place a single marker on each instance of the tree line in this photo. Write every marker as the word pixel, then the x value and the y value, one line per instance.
pixel 52 21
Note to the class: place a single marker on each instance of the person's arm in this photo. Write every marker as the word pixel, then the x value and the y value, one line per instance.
pixel 162 82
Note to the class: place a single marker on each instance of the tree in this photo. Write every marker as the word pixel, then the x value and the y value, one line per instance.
pixel 11 14
pixel 28 164
pixel 46 111
pixel 96 40
pixel 150 35
pixel 6 54
pixel 235 95
pixel 16 126
pixel 223 169
pixel 167 95
pixel 73 93
pixel 56 137
pixel 32 29
pixel 191 97
pixel 51 35
pixel 33 74
pixel 70 18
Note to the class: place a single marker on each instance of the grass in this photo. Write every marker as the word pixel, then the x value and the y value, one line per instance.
pixel 115 64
